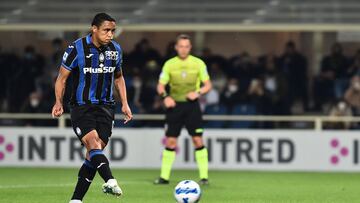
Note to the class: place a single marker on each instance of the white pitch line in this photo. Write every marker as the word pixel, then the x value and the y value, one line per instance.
pixel 62 185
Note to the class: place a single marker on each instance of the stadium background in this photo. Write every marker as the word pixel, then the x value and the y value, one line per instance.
pixel 281 120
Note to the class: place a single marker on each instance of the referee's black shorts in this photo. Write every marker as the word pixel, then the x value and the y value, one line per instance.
pixel 86 118
pixel 186 114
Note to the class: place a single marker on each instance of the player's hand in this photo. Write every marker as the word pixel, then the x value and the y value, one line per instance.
pixel 127 113
pixel 192 96
pixel 57 110
pixel 169 102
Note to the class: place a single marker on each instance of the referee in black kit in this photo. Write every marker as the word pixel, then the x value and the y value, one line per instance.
pixel 95 63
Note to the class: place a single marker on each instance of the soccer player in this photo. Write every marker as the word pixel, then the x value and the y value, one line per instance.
pixel 95 64
pixel 184 74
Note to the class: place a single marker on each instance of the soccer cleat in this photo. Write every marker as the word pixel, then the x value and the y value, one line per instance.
pixel 75 201
pixel 204 181
pixel 112 187
pixel 161 181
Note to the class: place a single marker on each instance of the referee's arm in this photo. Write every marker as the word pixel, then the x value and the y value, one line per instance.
pixel 60 84
pixel 207 85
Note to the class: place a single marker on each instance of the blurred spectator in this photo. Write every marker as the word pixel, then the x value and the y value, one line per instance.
pixel 333 78
pixel 152 71
pixel 232 94
pixel 276 89
pixel 143 53
pixel 26 76
pixel 218 77
pixel 35 104
pixel 54 61
pixel 256 95
pixel 355 65
pixel 338 109
pixel 210 59
pixel 294 66
pixel 3 81
pixel 298 109
pixel 170 51
pixel 211 98
pixel 352 94
pixel 33 62
pixel 9 77
pixel 141 94
pixel 244 69
pixel 156 108
pixel 47 80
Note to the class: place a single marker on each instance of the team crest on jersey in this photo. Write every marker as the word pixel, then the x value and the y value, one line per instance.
pixel 112 55
pixel 101 57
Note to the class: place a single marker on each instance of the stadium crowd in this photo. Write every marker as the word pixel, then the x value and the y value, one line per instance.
pixel 243 84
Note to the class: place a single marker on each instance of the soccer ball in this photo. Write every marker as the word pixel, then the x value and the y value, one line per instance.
pixel 187 191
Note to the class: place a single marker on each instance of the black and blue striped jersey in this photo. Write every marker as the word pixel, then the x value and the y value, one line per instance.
pixel 93 71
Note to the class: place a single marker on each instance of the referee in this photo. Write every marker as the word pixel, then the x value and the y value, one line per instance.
pixel 95 64
pixel 184 74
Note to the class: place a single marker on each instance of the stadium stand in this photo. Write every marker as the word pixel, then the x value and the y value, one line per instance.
pixel 187 11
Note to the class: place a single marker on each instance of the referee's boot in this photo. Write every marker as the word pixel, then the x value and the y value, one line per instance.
pixel 161 181
pixel 112 187
pixel 204 181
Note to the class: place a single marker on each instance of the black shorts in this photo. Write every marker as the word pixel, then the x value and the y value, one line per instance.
pixel 186 114
pixel 86 118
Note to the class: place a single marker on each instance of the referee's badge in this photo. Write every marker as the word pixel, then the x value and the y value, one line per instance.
pixel 101 57
pixel 184 74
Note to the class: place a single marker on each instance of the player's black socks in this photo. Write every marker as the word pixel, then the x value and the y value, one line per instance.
pixel 101 163
pixel 86 175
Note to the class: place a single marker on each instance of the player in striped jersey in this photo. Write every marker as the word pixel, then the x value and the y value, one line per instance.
pixel 95 64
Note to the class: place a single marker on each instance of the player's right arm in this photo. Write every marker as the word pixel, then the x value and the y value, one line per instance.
pixel 164 79
pixel 69 62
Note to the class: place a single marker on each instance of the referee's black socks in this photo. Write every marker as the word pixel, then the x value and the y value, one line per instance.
pixel 86 175
pixel 101 164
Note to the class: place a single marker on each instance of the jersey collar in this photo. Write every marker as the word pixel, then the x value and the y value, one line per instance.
pixel 88 39
pixel 90 43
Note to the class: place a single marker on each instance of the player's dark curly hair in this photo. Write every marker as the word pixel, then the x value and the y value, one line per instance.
pixel 100 18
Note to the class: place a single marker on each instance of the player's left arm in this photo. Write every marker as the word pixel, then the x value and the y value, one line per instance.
pixel 206 84
pixel 121 88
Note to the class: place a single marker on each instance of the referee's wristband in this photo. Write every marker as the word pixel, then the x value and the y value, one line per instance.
pixel 164 95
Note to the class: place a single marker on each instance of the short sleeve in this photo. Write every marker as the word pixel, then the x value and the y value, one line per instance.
pixel 119 61
pixel 204 75
pixel 69 60
pixel 118 55
pixel 164 75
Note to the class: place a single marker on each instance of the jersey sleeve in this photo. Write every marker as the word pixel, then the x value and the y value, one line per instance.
pixel 204 75
pixel 119 56
pixel 164 75
pixel 69 60
pixel 119 62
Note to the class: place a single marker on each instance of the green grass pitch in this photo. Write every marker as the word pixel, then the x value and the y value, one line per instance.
pixel 55 185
